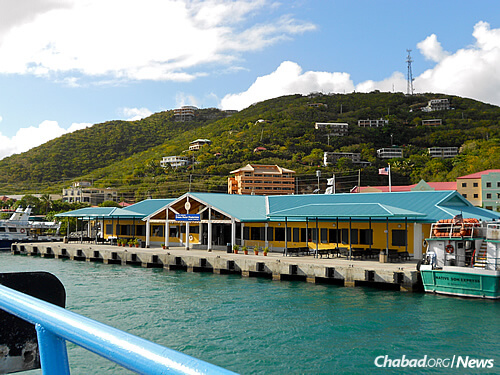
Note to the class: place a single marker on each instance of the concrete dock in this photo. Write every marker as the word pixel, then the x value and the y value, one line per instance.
pixel 401 276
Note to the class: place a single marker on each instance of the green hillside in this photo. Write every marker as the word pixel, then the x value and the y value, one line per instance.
pixel 126 155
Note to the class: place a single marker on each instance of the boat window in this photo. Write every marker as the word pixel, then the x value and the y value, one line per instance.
pixel 2 229
pixel 12 230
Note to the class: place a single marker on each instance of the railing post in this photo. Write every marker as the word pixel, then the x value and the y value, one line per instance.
pixel 53 353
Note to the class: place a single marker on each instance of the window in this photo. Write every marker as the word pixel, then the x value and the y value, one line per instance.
pixel 354 236
pixel 313 234
pixel 270 232
pixel 303 237
pixel 488 196
pixel 254 234
pixel 488 184
pixel 334 235
pixel 464 195
pixel 366 236
pixel 157 230
pixel 475 184
pixel 464 184
pixel 476 195
pixel 246 233
pixel 279 233
pixel 498 184
pixel 324 235
pixel 345 238
pixel 140 230
pixel 296 234
pixel 398 237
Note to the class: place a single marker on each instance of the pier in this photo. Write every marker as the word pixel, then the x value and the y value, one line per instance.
pixel 340 271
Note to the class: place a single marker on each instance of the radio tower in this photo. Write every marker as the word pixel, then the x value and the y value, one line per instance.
pixel 409 76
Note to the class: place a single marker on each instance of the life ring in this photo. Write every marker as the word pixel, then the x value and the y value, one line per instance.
pixel 450 249
pixel 22 230
pixel 190 238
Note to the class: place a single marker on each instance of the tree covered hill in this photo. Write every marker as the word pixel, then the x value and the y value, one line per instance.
pixel 126 155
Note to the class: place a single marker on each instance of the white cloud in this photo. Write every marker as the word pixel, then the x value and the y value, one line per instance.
pixel 182 99
pixel 431 49
pixel 288 78
pixel 133 114
pixel 472 72
pixel 1 118
pixel 33 136
pixel 127 39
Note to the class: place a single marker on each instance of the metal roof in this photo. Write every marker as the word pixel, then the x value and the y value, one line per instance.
pixel 335 210
pixel 134 211
pixel 147 206
pixel 434 205
pixel 421 206
pixel 244 208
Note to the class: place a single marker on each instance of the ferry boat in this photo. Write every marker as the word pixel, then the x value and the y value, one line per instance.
pixel 19 227
pixel 462 259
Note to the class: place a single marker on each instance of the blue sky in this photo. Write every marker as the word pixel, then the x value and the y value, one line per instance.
pixel 68 64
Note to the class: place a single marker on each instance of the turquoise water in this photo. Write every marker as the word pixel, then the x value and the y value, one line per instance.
pixel 259 326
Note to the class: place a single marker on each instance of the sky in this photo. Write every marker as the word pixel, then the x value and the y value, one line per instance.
pixel 68 64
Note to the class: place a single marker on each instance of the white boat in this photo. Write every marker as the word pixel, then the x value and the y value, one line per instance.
pixel 19 227
pixel 463 259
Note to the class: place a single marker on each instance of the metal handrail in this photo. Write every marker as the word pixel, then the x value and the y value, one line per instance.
pixel 453 230
pixel 54 325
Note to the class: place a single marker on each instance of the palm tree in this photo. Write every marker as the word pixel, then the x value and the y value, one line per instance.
pixel 46 202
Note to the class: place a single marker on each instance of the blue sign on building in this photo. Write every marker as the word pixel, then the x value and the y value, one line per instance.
pixel 187 217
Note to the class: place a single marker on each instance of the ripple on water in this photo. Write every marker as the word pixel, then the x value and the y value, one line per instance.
pixel 259 326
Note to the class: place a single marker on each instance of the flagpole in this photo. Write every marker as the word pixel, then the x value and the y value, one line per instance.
pixel 390 188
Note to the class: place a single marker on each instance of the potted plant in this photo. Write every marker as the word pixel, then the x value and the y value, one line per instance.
pixel 235 248
pixel 119 242
pixel 256 250
pixel 245 250
pixel 136 242
pixel 266 250
pixel 163 246
pixel 130 242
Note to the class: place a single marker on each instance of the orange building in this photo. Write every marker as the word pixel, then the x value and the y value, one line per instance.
pixel 261 180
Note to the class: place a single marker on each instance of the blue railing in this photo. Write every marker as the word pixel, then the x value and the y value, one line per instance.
pixel 54 325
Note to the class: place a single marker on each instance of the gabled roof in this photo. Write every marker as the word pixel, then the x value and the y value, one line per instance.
pixel 135 211
pixel 434 205
pixel 244 208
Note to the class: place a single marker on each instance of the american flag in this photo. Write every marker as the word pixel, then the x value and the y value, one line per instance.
pixel 384 171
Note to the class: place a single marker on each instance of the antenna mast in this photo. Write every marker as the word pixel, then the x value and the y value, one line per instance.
pixel 409 76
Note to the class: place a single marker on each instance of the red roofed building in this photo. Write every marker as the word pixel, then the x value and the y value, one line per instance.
pixel 421 186
pixel 482 189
